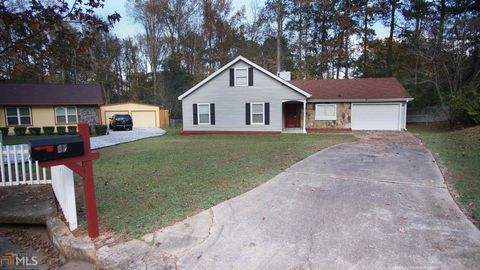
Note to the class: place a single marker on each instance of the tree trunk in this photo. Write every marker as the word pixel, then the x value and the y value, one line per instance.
pixel 279 34
pixel 393 8
pixel 365 39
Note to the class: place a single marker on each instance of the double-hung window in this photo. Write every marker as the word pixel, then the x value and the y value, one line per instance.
pixel 258 113
pixel 241 77
pixel 325 112
pixel 204 113
pixel 19 116
pixel 66 115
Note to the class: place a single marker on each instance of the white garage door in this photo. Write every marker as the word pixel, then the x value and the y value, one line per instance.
pixel 376 116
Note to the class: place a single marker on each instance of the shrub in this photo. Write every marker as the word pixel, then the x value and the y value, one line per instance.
pixel 465 110
pixel 20 131
pixel 72 130
pixel 101 129
pixel 34 130
pixel 61 130
pixel 4 131
pixel 48 130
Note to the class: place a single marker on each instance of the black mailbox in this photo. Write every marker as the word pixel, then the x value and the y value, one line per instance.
pixel 56 148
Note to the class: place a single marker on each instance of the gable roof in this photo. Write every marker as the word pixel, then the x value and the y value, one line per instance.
pixel 354 89
pixel 50 94
pixel 241 58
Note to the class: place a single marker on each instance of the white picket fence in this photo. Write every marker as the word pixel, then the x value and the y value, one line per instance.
pixel 18 169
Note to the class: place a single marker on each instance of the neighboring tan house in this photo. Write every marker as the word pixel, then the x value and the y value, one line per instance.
pixel 242 97
pixel 40 105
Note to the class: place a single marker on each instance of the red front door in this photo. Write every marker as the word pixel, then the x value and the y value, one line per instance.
pixel 292 115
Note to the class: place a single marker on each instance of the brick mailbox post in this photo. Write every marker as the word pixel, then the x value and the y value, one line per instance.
pixel 75 153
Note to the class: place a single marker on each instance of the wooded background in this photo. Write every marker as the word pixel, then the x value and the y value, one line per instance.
pixel 433 47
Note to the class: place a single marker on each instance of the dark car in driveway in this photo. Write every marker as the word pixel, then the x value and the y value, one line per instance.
pixel 121 121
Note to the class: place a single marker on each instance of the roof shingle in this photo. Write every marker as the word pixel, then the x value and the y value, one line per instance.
pixel 50 94
pixel 361 89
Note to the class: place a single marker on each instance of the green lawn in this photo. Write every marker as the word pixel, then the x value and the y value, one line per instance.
pixel 23 139
pixel 154 182
pixel 459 152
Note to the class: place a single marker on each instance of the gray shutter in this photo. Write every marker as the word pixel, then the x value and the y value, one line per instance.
pixel 247 113
pixel 212 113
pixel 232 77
pixel 195 114
pixel 250 76
pixel 267 113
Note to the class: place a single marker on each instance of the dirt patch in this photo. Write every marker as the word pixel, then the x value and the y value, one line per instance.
pixel 472 135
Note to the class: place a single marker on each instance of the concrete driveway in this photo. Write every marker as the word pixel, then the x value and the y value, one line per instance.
pixel 372 204
pixel 124 136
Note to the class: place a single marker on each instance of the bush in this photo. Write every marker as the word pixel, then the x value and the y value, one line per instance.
pixel 465 110
pixel 101 129
pixel 48 130
pixel 20 131
pixel 34 130
pixel 72 130
pixel 4 131
pixel 61 130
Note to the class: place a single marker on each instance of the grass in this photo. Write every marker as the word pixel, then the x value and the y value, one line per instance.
pixel 151 183
pixel 459 152
pixel 9 140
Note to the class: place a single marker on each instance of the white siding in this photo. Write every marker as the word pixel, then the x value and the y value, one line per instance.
pixel 230 102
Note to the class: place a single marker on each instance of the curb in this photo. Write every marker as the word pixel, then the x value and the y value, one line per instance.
pixel 69 246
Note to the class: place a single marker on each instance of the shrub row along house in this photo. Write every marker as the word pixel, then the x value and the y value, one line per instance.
pixel 243 97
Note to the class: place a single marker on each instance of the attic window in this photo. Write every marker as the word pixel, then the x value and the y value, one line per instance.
pixel 241 77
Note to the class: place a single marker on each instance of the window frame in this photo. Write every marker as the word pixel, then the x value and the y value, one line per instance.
pixel 325 117
pixel 246 76
pixel 251 113
pixel 18 116
pixel 66 115
pixel 209 113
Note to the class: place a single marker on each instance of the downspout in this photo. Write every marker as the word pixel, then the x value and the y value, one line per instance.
pixel 405 116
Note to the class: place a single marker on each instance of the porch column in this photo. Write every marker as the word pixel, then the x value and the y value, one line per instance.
pixel 304 116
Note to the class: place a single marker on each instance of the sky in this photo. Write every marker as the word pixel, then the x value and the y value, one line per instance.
pixel 128 28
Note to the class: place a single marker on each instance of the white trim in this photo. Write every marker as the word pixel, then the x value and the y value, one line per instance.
pixel 213 75
pixel 198 113
pixel 324 117
pixel 361 100
pixel 66 115
pixel 304 116
pixel 235 76
pixel 263 113
pixel 19 117
pixel 379 103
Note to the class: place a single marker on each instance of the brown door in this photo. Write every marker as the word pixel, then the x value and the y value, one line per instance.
pixel 292 115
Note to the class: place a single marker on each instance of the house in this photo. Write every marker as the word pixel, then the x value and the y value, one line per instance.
pixel 41 105
pixel 242 97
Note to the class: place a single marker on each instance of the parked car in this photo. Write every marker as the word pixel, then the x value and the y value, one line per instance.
pixel 121 121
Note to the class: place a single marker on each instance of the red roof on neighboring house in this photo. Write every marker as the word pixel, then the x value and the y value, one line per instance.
pixel 50 94
pixel 369 88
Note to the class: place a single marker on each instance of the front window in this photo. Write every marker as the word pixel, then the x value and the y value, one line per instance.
pixel 325 112
pixel 241 77
pixel 66 115
pixel 18 116
pixel 258 113
pixel 204 113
